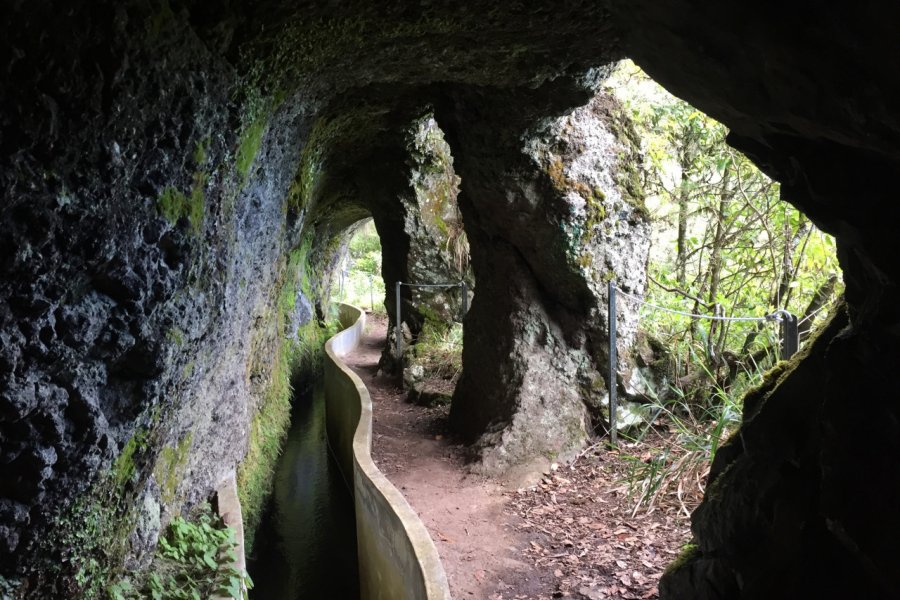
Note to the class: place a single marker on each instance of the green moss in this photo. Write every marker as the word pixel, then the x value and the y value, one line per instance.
pixel 268 430
pixel 171 204
pixel 271 421
pixel 169 469
pixel 200 152
pixel 187 371
pixel 287 298
pixel 595 209
pixel 123 469
pixel 176 335
pixel 295 200
pixel 756 396
pixel 629 179
pixel 175 205
pixel 249 145
pixel 596 213
pixel 159 20
pixel 689 552
pixel 627 173
pixel 556 171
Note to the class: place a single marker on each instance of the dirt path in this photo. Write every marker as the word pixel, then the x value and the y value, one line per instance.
pixel 571 536
pixel 480 548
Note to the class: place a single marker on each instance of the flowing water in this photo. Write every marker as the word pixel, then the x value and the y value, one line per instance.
pixel 306 545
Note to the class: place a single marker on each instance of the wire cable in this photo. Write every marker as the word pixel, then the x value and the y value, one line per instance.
pixel 432 285
pixel 775 316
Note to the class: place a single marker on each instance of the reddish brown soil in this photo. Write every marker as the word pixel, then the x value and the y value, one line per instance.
pixel 572 535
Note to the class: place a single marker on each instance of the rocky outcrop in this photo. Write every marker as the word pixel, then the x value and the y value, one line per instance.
pixel 144 247
pixel 553 213
pixel 436 250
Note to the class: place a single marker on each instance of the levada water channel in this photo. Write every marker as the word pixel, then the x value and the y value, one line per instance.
pixel 306 545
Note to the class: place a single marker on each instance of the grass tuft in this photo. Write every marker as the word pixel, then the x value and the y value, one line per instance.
pixel 678 472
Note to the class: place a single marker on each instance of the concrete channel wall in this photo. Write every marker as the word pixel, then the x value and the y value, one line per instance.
pixel 230 511
pixel 397 558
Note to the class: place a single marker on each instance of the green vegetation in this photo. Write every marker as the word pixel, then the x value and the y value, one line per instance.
pixel 176 335
pixel 679 469
pixel 688 552
pixel 249 145
pixel 272 417
pixel 438 349
pixel 175 205
pixel 194 561
pixel 88 542
pixel 437 187
pixel 267 432
pixel 94 538
pixel 123 469
pixel 724 244
pixel 200 152
pixel 363 285
pixel 330 133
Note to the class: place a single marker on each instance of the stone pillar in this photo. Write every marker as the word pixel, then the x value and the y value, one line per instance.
pixel 412 197
pixel 553 210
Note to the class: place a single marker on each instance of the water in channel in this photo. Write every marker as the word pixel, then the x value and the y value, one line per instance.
pixel 306 545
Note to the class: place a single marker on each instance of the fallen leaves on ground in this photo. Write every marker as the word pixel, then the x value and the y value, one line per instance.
pixel 584 536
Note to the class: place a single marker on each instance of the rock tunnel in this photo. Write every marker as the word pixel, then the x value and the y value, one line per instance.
pixel 170 169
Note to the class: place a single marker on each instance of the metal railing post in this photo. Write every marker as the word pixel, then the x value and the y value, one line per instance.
pixel 612 363
pixel 790 333
pixel 397 300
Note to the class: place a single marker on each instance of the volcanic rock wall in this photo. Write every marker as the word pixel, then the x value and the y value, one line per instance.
pixel 173 193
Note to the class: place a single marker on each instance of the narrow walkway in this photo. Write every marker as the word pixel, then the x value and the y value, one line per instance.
pixel 573 536
pixel 477 540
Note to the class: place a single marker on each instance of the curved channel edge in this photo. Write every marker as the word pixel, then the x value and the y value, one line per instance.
pixel 397 558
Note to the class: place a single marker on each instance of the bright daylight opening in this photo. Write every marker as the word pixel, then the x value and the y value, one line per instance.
pixel 724 246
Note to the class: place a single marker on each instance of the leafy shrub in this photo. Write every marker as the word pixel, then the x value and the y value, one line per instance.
pixel 194 561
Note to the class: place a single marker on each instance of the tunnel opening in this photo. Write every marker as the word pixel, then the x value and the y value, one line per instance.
pixel 359 280
pixel 391 216
pixel 727 256
pixel 146 166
